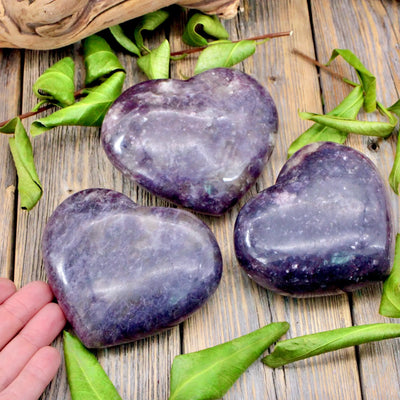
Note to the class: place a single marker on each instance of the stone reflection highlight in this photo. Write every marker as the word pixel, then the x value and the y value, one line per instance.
pixel 121 272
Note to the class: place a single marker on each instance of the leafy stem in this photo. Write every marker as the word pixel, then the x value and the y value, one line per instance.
pixel 261 37
pixel 77 95
pixel 323 67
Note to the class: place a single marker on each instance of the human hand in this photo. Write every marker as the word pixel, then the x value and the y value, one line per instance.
pixel 29 322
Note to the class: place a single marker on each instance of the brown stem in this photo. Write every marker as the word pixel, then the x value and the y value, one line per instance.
pixel 261 37
pixel 29 114
pixel 177 53
pixel 77 94
pixel 320 65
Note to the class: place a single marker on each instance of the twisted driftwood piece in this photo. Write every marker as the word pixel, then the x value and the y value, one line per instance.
pixel 49 24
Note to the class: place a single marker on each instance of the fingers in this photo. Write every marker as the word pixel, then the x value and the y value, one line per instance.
pixel 20 307
pixel 34 378
pixel 7 288
pixel 40 331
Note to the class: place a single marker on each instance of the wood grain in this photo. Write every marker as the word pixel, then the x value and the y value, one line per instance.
pixel 70 159
pixel 10 81
pixel 372 39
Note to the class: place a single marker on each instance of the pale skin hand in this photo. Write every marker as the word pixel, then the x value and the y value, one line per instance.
pixel 29 322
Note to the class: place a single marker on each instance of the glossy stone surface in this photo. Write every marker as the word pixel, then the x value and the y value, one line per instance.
pixel 121 272
pixel 325 227
pixel 200 143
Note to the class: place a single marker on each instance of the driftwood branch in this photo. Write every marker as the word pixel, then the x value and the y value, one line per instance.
pixel 44 24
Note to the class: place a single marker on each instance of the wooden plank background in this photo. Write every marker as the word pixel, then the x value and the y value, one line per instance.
pixel 70 159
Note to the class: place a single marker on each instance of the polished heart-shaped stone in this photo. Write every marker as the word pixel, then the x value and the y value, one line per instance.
pixel 325 227
pixel 121 272
pixel 200 143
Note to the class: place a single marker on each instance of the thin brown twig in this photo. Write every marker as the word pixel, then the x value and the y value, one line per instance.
pixel 261 37
pixel 320 65
pixel 77 94
pixel 177 53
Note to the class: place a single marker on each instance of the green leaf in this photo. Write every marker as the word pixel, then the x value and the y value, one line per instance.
pixel 394 177
pixel 224 54
pixel 123 40
pixel 86 377
pixel 390 301
pixel 29 186
pixel 368 128
pixel 56 84
pixel 148 22
pixel 367 80
pixel 395 108
pixel 100 60
pixel 208 374
pixel 90 111
pixel 211 25
pixel 302 347
pixel 348 108
pixel 156 64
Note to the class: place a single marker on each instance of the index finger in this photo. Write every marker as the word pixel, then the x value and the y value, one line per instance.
pixel 7 288
pixel 18 309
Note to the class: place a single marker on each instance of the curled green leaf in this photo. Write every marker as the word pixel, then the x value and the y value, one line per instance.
pixel 299 348
pixel 208 374
pixel 211 25
pixel 86 377
pixel 156 64
pixel 395 108
pixel 100 60
pixel 224 54
pixel 56 84
pixel 348 108
pixel 29 186
pixel 390 301
pixel 394 177
pixel 368 81
pixel 90 111
pixel 148 22
pixel 367 128
pixel 123 40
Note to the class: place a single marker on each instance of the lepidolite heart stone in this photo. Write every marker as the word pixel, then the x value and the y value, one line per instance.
pixel 200 143
pixel 121 272
pixel 325 227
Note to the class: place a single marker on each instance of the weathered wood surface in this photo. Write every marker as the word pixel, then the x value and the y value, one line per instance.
pixel 70 159
pixel 42 25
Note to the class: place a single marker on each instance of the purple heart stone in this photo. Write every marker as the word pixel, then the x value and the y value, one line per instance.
pixel 200 143
pixel 121 272
pixel 325 227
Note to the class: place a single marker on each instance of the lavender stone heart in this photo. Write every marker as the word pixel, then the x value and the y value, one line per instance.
pixel 200 143
pixel 325 227
pixel 121 272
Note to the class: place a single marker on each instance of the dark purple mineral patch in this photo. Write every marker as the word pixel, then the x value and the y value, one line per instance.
pixel 325 227
pixel 121 272
pixel 200 143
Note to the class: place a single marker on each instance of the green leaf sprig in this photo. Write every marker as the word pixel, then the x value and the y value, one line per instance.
pixel 154 63
pixel 221 53
pixel 56 84
pixel 299 348
pixel 211 25
pixel 86 377
pixel 55 87
pixel 342 120
pixel 102 67
pixel 390 301
pixel 29 186
pixel 208 374
pixel 225 54
pixel 348 108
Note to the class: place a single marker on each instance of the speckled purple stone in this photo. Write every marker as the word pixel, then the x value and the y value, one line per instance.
pixel 121 272
pixel 325 227
pixel 200 143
